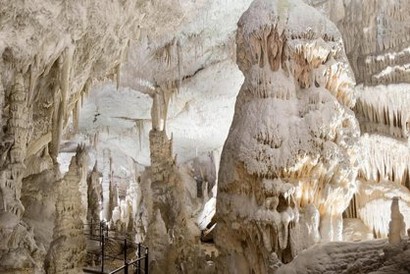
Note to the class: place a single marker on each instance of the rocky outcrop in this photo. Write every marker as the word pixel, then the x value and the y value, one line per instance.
pixel 290 154
pixel 50 55
pixel 68 248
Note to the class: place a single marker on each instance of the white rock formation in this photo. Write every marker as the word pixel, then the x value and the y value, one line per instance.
pixel 50 54
pixel 68 248
pixel 292 140
pixel 376 37
pixel 377 256
pixel 288 169
pixel 338 257
pixel 397 226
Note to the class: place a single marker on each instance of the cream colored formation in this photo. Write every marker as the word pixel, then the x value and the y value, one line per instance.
pixel 309 157
pixel 291 151
pixel 50 54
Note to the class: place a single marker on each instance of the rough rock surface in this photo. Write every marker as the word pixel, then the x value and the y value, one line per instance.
pixel 291 145
pixel 376 37
pixel 51 52
pixel 377 256
pixel 289 164
pixel 68 248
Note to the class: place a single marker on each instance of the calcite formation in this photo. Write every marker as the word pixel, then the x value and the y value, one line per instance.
pixel 377 256
pixel 94 199
pixel 384 110
pixel 14 156
pixel 397 226
pixel 290 153
pixel 289 168
pixel 68 248
pixel 376 37
pixel 383 174
pixel 166 222
pixel 51 52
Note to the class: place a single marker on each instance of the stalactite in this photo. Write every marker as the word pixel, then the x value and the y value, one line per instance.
pixel 55 119
pixel 118 75
pixel 165 96
pixel 164 54
pixel 64 83
pixel 376 39
pixel 76 116
pixel 156 112
pixel 33 81
pixel 140 130
pixel 384 158
pixel 180 63
pixel 384 109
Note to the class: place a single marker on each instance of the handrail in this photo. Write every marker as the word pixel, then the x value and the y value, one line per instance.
pixel 133 262
pixel 118 269
pixel 100 232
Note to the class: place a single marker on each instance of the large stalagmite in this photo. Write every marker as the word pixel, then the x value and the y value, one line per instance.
pixel 68 248
pixel 288 167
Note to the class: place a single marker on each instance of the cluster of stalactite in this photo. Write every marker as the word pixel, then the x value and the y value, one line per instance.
pixel 45 75
pixel 376 37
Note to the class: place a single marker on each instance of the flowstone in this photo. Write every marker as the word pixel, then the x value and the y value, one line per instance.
pixel 288 167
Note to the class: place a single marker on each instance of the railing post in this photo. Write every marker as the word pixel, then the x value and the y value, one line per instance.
pixel 102 253
pixel 101 228
pixel 146 261
pixel 139 261
pixel 125 257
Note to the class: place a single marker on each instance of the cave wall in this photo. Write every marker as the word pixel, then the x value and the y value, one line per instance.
pixel 51 52
pixel 376 37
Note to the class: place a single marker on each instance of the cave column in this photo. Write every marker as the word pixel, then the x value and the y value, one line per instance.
pixel 14 164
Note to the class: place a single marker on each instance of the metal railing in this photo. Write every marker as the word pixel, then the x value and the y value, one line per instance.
pixel 100 232
pixel 135 264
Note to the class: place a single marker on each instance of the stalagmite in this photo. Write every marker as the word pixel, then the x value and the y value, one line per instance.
pixel 68 249
pixel 170 233
pixel 292 143
pixel 113 199
pixel 105 183
pixel 94 199
pixel 397 227
pixel 18 131
pixel 47 53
